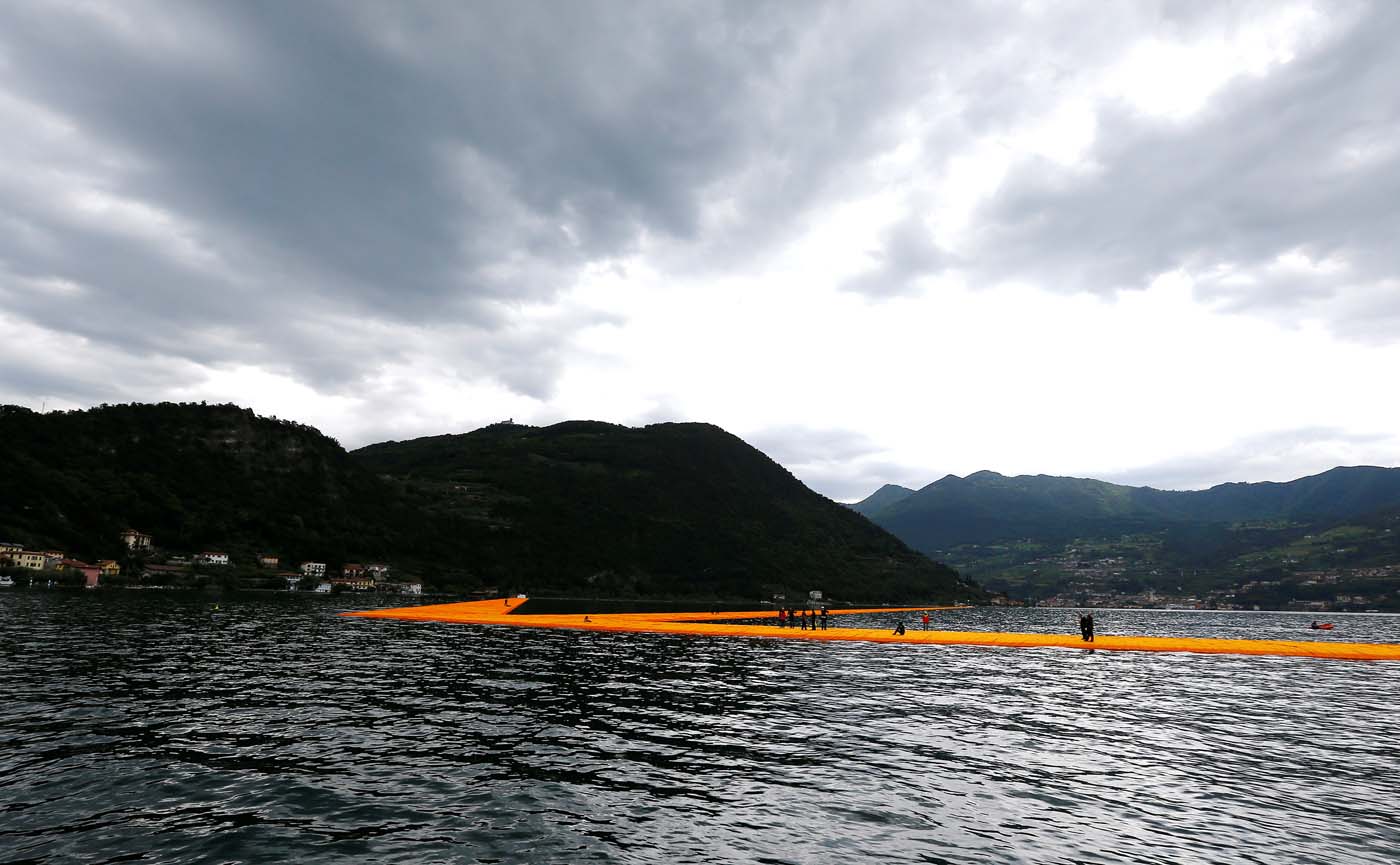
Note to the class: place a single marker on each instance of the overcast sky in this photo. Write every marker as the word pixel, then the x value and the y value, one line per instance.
pixel 1154 243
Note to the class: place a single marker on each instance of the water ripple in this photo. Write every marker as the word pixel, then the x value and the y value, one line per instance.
pixel 143 727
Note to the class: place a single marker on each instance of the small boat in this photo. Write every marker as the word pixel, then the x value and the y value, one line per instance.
pixel 1321 626
pixel 6 581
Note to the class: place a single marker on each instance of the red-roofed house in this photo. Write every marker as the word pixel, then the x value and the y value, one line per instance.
pixel 91 573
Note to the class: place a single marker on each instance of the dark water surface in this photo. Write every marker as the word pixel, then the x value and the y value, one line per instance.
pixel 136 726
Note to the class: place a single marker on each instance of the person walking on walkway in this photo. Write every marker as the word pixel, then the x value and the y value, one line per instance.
pixel 826 615
pixel 925 620
pixel 782 618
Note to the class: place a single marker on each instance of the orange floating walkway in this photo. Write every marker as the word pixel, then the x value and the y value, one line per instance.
pixel 502 611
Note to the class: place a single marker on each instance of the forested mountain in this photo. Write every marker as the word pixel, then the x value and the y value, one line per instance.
pixel 881 499
pixel 670 509
pixel 1041 536
pixel 653 510
pixel 986 506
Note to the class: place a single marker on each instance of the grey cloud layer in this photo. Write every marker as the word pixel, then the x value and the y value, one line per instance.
pixel 1280 455
pixel 1278 198
pixel 236 181
pixel 325 189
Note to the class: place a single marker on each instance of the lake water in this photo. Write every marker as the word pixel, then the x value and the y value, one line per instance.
pixel 139 726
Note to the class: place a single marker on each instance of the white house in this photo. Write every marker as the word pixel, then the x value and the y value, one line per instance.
pixel 314 569
pixel 212 558
pixel 135 540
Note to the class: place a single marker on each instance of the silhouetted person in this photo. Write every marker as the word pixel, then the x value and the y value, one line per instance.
pixel 1086 627
pixel 782 618
pixel 826 615
pixel 925 621
pixel 899 629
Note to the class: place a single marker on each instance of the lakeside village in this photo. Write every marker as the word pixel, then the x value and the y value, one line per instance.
pixel 148 567
pixel 1100 582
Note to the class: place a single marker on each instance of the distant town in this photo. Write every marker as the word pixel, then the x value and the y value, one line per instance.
pixel 148 566
pixel 1093 581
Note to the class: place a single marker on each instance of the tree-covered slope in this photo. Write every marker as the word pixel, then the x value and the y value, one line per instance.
pixel 881 499
pixel 680 510
pixel 655 510
pixel 986 506
pixel 195 477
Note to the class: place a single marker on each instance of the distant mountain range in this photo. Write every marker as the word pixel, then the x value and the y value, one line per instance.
pixel 1013 532
pixel 677 510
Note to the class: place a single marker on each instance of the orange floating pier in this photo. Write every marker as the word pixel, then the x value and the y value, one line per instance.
pixel 503 611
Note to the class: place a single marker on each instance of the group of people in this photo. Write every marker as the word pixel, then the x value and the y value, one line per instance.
pixel 804 619
pixel 1086 627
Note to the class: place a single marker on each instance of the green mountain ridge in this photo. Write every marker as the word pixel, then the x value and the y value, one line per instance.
pixel 1040 535
pixel 679 510
pixel 987 506
pixel 882 498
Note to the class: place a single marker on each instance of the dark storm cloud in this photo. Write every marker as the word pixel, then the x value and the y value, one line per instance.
pixel 246 182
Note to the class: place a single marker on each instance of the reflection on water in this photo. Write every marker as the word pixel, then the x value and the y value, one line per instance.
pixel 141 725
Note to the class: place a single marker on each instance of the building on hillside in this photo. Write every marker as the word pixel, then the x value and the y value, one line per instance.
pixel 91 573
pixel 356 584
pixel 266 561
pixel 293 579
pixel 314 569
pixel 352 571
pixel 378 571
pixel 212 558
pixel 411 589
pixel 8 547
pixel 46 560
pixel 158 571
pixel 323 588
pixel 108 567
pixel 136 541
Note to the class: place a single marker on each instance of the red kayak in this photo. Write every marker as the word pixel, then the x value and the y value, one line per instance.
pixel 1324 626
